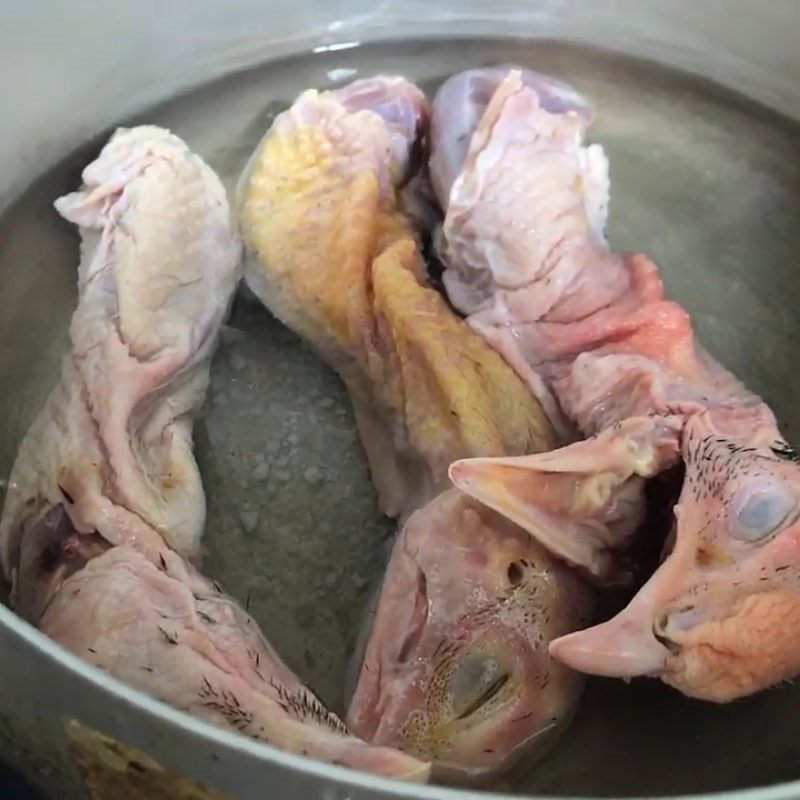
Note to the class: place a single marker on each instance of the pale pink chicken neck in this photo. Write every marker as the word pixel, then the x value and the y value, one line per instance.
pixel 105 509
pixel 593 334
pixel 529 264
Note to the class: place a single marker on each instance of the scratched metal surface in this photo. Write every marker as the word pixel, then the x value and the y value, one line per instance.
pixel 704 181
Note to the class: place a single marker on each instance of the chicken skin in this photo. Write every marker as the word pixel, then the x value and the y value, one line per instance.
pixel 456 669
pixel 105 508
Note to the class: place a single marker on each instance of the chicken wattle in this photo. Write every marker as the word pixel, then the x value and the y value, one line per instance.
pixel 456 669
pixel 597 340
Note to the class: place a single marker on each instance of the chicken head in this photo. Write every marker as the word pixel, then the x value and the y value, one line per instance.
pixel 720 619
pixel 456 670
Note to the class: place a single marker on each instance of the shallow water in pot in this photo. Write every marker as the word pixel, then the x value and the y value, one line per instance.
pixel 704 181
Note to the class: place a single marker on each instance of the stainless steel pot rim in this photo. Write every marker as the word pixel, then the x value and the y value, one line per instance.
pixel 732 72
pixel 339 776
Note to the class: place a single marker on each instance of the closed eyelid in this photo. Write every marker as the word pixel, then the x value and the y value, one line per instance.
pixel 761 511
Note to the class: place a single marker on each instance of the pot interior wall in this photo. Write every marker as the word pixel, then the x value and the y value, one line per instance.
pixel 705 181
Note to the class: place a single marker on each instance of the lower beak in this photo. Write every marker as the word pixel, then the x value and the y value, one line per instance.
pixel 623 647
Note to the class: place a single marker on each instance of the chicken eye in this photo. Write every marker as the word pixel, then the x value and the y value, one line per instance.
pixel 761 513
pixel 477 681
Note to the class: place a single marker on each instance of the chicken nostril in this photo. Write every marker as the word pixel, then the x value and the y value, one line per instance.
pixel 514 573
pixel 660 625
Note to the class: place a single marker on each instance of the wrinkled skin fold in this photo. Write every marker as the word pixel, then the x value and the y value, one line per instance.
pixel 597 340
pixel 105 509
pixel 333 252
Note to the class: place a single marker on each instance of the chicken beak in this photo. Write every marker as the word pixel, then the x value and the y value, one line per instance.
pixel 538 494
pixel 498 483
pixel 623 647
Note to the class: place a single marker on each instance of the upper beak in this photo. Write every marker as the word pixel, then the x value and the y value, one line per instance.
pixel 528 491
pixel 496 482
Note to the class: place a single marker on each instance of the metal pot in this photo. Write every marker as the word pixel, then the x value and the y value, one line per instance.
pixel 68 71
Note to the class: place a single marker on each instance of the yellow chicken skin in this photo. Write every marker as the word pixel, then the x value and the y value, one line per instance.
pixel 332 252
pixel 334 257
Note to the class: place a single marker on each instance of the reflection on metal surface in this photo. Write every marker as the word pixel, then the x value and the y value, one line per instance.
pixel 113 771
pixel 332 48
